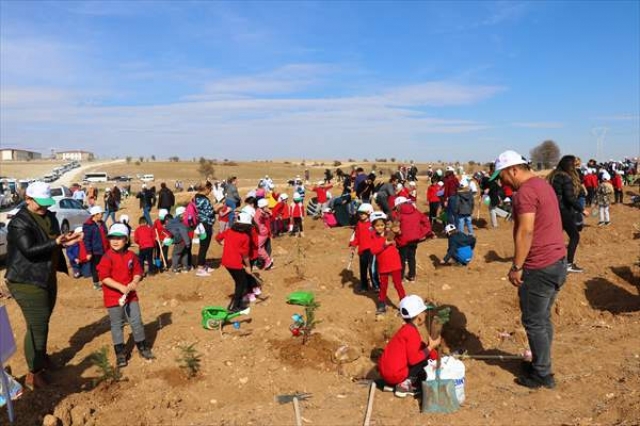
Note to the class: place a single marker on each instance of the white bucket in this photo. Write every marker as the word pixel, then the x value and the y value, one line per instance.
pixel 450 368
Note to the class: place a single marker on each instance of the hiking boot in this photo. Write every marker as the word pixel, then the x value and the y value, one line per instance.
pixel 572 267
pixel 97 286
pixel 270 266
pixel 411 279
pixel 145 351
pixel 535 381
pixel 381 308
pixel 600 223
pixel 607 223
pixel 121 360
pixel 35 381
pixel 405 389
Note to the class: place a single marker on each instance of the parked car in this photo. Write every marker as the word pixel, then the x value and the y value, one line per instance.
pixel 121 178
pixel 69 212
pixel 147 178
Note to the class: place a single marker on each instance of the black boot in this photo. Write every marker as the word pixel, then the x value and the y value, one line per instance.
pixel 121 356
pixel 145 351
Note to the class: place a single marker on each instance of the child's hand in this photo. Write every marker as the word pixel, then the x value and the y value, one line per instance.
pixel 132 286
pixel 123 289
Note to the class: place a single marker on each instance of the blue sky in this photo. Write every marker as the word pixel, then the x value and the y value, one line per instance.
pixel 250 80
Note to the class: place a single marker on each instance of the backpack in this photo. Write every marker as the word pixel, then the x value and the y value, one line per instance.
pixel 190 216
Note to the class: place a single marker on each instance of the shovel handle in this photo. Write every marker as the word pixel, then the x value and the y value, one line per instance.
pixel 296 410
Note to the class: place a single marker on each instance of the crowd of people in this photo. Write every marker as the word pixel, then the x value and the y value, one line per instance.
pixel 388 224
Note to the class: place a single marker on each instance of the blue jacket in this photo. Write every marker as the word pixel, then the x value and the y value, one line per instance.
pixel 460 248
pixel 92 238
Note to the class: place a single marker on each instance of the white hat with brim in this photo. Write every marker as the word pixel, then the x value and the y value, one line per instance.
pixel 41 193
pixel 399 201
pixel 248 210
pixel 78 230
pixel 118 230
pixel 180 210
pixel 95 210
pixel 244 218
pixel 507 159
pixel 162 213
pixel 411 306
pixel 365 208
pixel 377 216
pixel 262 203
pixel 124 218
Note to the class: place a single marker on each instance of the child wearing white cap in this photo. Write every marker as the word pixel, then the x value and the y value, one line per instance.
pixel 321 190
pixel 181 242
pixel 262 219
pixel 405 356
pixel 296 212
pixel 95 241
pixel 120 273
pixel 604 195
pixel 77 255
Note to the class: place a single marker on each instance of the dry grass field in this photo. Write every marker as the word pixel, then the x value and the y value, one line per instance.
pixel 28 169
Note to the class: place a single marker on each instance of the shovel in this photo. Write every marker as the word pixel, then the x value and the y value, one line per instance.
pixel 295 398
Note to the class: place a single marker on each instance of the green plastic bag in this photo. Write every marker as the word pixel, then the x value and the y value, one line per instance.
pixel 301 298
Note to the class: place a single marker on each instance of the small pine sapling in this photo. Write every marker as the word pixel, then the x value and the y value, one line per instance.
pixel 108 373
pixel 189 360
pixel 310 320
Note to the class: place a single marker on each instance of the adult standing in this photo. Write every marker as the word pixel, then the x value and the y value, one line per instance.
pixel 147 200
pixel 206 218
pixel 232 199
pixel 388 189
pixel 166 199
pixel 34 255
pixel 451 184
pixel 567 186
pixel 117 196
pixel 539 266
pixel 110 206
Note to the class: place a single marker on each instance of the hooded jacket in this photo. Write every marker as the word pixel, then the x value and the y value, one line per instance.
pixel 464 207
pixel 414 225
pixel 179 231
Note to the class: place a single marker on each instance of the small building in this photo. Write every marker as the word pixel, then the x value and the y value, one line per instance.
pixel 75 155
pixel 11 154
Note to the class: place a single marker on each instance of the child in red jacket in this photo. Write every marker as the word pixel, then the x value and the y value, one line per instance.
pixel 361 238
pixel 433 198
pixel 616 181
pixel 144 237
pixel 163 237
pixel 236 257
pixel 296 212
pixel 280 214
pixel 120 273
pixel 388 260
pixel 405 356
pixel 413 227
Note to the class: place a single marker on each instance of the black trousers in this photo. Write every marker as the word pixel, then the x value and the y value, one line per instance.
pixel 240 278
pixel 433 211
pixel 95 260
pixel 147 254
pixel 408 255
pixel 569 226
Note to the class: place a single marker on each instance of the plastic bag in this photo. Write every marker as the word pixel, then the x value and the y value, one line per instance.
pixel 15 389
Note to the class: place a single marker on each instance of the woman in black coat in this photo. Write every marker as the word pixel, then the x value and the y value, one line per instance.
pixel 34 255
pixel 566 183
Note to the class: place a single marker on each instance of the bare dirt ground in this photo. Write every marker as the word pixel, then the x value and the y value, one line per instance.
pixel 596 349
pixel 28 169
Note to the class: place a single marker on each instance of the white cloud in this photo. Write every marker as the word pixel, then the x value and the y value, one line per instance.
pixel 539 125
pixel 620 117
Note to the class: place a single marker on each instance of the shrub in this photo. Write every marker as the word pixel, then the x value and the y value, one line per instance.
pixel 336 163
pixel 108 373
pixel 189 360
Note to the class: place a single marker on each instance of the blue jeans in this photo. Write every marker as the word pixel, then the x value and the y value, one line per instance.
pixel 110 213
pixel 147 216
pixel 232 214
pixel 537 294
pixel 452 202
pixel 462 221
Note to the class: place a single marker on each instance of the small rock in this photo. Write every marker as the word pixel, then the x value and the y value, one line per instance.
pixel 173 303
pixel 610 395
pixel 213 401
pixel 323 287
pixel 228 363
pixel 243 380
pixel 50 420
pixel 503 279
pixel 446 287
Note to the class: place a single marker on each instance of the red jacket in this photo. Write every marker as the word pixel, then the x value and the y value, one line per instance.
pixel 404 192
pixel 280 210
pixel 387 256
pixel 361 237
pixel 145 237
pixel 120 266
pixel 236 247
pixel 591 181
pixel 296 210
pixel 321 192
pixel 508 191
pixel 414 225
pixel 616 181
pixel 254 244
pixel 432 193
pixel 451 185
pixel 161 230
pixel 405 349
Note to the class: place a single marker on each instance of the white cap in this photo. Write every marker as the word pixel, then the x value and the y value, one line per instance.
pixel 78 230
pixel 283 197
pixel 605 175
pixel 440 183
pixel 326 210
pixel 464 183
pixel 412 183
pixel 124 218
pixel 180 210
pixel 376 216
pixel 107 189
pixel 399 187
pixel 450 169
pixel 244 218
pixel 507 200
pixel 41 193
pixel 118 230
pixel 411 306
pixel 297 196
pixel 248 210
pixel 320 182
pixel 399 200
pixel 507 159
pixel 365 208
pixel 161 213
pixel 262 202
pixel 439 172
pixel 95 210
pixel 449 228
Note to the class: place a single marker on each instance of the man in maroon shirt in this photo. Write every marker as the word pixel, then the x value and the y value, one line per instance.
pixel 539 266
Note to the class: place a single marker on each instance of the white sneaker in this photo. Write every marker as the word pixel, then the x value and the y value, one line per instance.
pixel 249 298
pixel 202 273
pixel 257 291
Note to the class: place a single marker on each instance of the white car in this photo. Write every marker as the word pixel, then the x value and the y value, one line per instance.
pixel 69 212
pixel 147 178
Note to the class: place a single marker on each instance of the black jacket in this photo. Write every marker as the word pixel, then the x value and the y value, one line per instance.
pixel 166 199
pixel 567 198
pixel 30 250
pixel 464 207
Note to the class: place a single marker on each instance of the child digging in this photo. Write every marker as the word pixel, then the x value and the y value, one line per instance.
pixel 460 246
pixel 405 356
pixel 387 258
pixel 361 238
pixel 120 273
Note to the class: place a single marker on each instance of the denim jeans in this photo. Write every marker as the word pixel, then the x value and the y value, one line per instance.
pixel 131 314
pixel 465 220
pixel 147 215
pixel 537 294
pixel 451 208
pixel 110 214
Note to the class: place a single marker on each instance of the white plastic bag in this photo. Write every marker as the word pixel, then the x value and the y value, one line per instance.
pixel 450 368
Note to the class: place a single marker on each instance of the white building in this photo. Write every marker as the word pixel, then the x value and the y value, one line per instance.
pixel 10 154
pixel 75 155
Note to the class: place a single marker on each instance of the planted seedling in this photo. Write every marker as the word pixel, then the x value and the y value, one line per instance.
pixel 108 373
pixel 189 360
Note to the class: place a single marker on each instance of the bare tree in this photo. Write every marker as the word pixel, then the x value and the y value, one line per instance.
pixel 546 155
